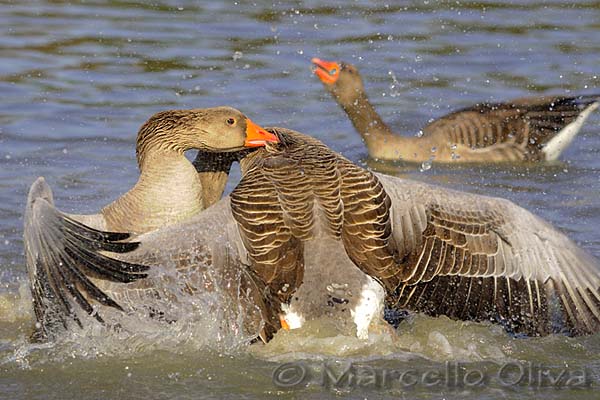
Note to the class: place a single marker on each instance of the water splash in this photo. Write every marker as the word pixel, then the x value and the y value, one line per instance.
pixel 395 85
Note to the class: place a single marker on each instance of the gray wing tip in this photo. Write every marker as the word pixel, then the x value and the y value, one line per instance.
pixel 62 255
pixel 39 189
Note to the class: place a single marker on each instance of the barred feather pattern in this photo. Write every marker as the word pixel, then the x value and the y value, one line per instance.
pixel 434 250
pixel 297 189
pixel 511 131
pixel 477 258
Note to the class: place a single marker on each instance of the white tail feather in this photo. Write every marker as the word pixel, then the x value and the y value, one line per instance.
pixel 563 139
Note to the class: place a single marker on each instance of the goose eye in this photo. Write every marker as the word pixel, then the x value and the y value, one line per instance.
pixel 230 121
pixel 333 71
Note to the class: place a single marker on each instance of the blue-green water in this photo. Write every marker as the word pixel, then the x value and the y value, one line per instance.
pixel 78 78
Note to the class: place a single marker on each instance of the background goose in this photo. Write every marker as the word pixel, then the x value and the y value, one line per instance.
pixel 528 129
pixel 169 190
pixel 309 229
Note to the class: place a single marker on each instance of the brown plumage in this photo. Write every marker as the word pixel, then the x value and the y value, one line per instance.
pixel 164 170
pixel 299 190
pixel 213 172
pixel 436 251
pixel 307 229
pixel 479 258
pixel 169 190
pixel 528 129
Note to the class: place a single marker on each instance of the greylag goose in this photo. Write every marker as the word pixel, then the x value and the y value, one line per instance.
pixel 169 189
pixel 321 237
pixel 434 250
pixel 527 129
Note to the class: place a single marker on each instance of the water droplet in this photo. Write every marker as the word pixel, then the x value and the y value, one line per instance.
pixel 420 134
pixel 394 92
pixel 453 147
pixel 433 149
pixel 237 55
pixel 300 52
pixel 425 166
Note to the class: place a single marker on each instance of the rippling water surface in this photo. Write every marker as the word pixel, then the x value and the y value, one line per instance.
pixel 77 80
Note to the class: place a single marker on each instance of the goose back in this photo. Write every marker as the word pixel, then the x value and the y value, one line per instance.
pixel 518 130
pixel 525 129
pixel 299 190
pixel 434 250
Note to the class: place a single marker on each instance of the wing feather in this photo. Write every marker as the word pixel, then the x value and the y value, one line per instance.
pixel 62 255
pixel 481 258
pixel 518 130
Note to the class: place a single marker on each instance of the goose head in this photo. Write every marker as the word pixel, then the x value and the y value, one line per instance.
pixel 218 129
pixel 340 79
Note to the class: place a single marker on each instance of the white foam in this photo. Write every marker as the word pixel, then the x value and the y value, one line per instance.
pixel 294 319
pixel 370 305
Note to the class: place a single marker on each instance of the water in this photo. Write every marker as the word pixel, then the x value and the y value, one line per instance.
pixel 77 80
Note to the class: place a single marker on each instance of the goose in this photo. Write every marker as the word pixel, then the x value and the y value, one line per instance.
pixel 521 130
pixel 322 237
pixel 169 189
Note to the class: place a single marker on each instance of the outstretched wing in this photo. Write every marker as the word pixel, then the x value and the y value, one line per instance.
pixel 476 258
pixel 62 255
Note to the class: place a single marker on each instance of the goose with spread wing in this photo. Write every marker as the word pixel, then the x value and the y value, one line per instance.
pixel 318 236
pixel 312 223
pixel 526 129
pixel 66 254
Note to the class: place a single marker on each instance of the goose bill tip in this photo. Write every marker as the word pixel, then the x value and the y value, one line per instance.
pixel 327 71
pixel 257 136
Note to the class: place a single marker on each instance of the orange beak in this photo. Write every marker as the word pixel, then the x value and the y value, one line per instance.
pixel 257 136
pixel 284 323
pixel 327 71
